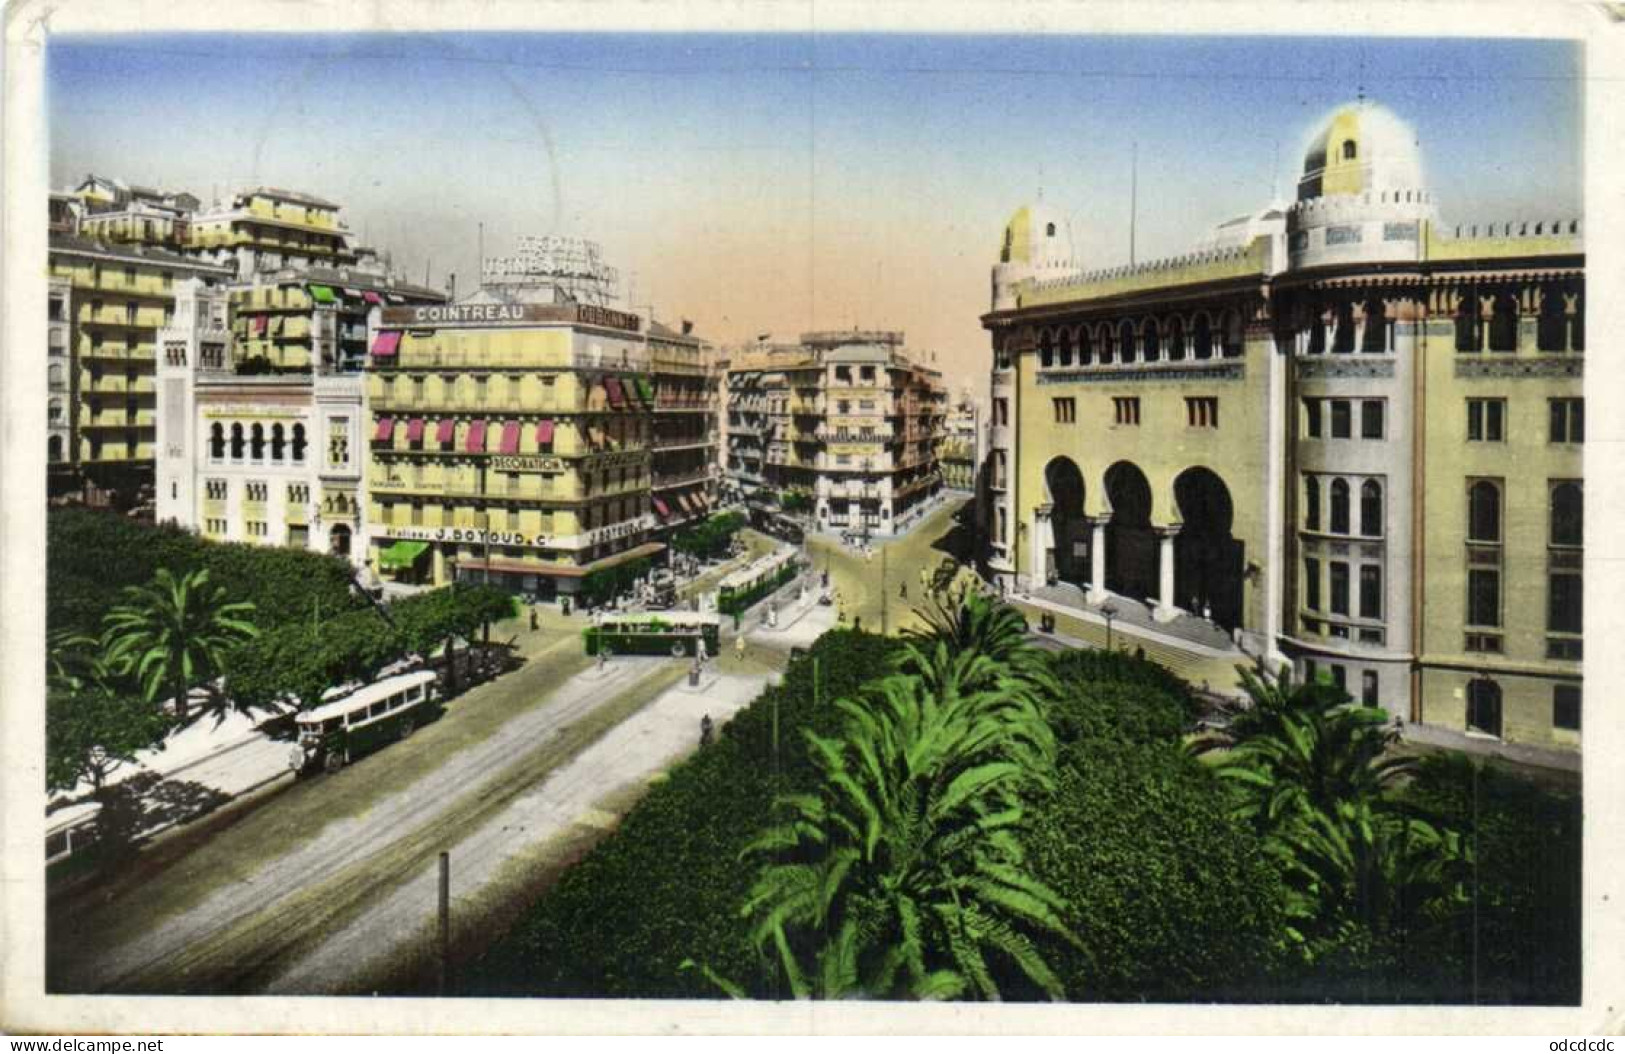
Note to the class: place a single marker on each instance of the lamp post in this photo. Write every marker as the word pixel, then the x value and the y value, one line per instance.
pixel 1109 610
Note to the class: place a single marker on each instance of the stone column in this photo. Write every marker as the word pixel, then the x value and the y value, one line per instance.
pixel 1097 560
pixel 1165 610
pixel 1043 538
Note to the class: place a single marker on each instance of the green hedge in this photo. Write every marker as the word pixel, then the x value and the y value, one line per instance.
pixel 667 885
pixel 710 538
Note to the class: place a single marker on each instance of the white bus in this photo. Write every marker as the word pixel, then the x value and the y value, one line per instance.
pixel 337 732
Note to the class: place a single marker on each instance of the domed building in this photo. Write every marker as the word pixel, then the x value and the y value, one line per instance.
pixel 1338 436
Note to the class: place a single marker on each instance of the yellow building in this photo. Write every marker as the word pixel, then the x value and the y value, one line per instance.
pixel 267 229
pixel 684 443
pixel 1341 432
pixel 509 442
pixel 106 305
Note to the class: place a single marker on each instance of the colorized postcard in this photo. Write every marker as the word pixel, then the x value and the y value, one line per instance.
pixel 784 515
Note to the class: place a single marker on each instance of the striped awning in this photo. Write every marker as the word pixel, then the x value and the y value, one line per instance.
pixel 322 294
pixel 510 438
pixel 544 432
pixel 414 430
pixel 446 431
pixel 386 430
pixel 617 397
pixel 662 508
pixel 476 438
pixel 260 322
pixel 386 343
pixel 372 298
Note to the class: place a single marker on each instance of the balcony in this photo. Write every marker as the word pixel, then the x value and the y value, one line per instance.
pixel 683 442
pixel 424 359
pixel 664 481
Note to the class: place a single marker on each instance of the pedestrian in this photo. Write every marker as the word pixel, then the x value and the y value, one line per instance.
pixel 902 591
pixel 739 648
pixel 533 620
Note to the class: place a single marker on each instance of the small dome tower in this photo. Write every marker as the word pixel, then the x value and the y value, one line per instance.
pixel 1037 244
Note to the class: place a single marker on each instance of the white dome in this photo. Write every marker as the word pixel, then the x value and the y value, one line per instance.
pixel 1362 148
pixel 1038 236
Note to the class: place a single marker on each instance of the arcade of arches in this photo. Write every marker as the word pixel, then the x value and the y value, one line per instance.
pixel 1193 563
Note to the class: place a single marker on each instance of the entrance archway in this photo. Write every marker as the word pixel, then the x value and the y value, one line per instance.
pixel 1131 545
pixel 1068 558
pixel 339 539
pixel 1208 560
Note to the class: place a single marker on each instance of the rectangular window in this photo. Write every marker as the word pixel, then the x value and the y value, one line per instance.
pixel 1563 603
pixel 1370 591
pixel 1566 707
pixel 1311 418
pixel 1342 419
pixel 1483 596
pixel 1368 688
pixel 1486 420
pixel 1311 583
pixel 1066 411
pixel 1371 419
pixel 1340 676
pixel 1568 420
pixel 1202 412
pixel 1001 412
pixel 1126 410
pixel 1340 587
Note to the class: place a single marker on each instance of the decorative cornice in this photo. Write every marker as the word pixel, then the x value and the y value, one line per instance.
pixel 1566 365
pixel 1325 368
pixel 1233 370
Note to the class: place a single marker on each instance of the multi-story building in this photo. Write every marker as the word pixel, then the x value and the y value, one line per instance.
pixel 114 212
pixel 960 450
pixel 509 440
pixel 1343 431
pixel 106 305
pixel 851 427
pixel 684 445
pixel 293 317
pixel 267 230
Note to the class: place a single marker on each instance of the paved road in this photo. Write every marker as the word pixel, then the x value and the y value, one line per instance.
pixel 375 941
pixel 220 943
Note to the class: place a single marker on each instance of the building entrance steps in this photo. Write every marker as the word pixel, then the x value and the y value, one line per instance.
pixel 1182 628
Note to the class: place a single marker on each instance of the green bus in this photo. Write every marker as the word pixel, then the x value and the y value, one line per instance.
pixel 751 583
pixel 337 732
pixel 674 633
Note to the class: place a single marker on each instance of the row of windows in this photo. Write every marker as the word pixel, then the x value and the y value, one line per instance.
pixel 1565 512
pixel 1338 575
pixel 1150 341
pixel 254 490
pixel 1484 707
pixel 1370 684
pixel 1555 328
pixel 1339 415
pixel 1339 496
pixel 283 444
pixel 1487 420
pixel 1200 411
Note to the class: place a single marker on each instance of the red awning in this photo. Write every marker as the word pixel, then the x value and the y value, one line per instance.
pixel 617 398
pixel 662 508
pixel 544 432
pixel 386 429
pixel 476 438
pixel 372 298
pixel 510 438
pixel 260 322
pixel 386 343
pixel 688 506
pixel 446 431
pixel 414 430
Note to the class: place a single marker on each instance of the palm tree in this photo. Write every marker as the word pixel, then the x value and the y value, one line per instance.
pixel 908 864
pixel 172 633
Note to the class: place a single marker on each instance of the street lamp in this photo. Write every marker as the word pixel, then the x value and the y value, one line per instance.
pixel 1109 610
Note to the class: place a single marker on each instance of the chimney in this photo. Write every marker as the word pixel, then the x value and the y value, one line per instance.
pixel 688 327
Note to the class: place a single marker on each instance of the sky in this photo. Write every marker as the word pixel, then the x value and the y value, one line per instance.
pixel 775 183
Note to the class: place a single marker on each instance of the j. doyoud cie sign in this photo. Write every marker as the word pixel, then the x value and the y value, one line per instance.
pixel 424 315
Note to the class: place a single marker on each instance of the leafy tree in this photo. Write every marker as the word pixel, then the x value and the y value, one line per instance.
pixel 712 537
pixel 173 633
pixel 907 863
pixel 92 731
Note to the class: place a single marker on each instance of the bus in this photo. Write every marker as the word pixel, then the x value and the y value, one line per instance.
pixel 756 580
pixel 337 732
pixel 674 633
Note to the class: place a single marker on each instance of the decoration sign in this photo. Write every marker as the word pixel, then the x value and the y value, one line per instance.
pixel 526 463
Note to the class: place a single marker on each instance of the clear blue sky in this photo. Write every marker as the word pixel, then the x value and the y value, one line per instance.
pixel 761 183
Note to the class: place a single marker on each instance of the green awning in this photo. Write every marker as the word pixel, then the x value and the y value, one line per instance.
pixel 402 554
pixel 646 390
pixel 323 294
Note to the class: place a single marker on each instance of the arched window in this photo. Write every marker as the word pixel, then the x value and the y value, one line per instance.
pixel 1371 509
pixel 1484 706
pixel 1467 322
pixel 278 441
pixel 1340 506
pixel 1064 339
pixel 1204 337
pixel 1046 349
pixel 1086 350
pixel 1484 512
pixel 54 375
pixel 1108 344
pixel 1349 150
pixel 55 412
pixel 1231 334
pixel 237 442
pixel 1125 340
pixel 1049 230
pixel 1577 325
pixel 298 443
pixel 1150 340
pixel 1568 515
pixel 256 444
pixel 54 448
pixel 1504 323
pixel 1176 339
pixel 1551 331
pixel 217 441
pixel 1311 503
pixel 1343 339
